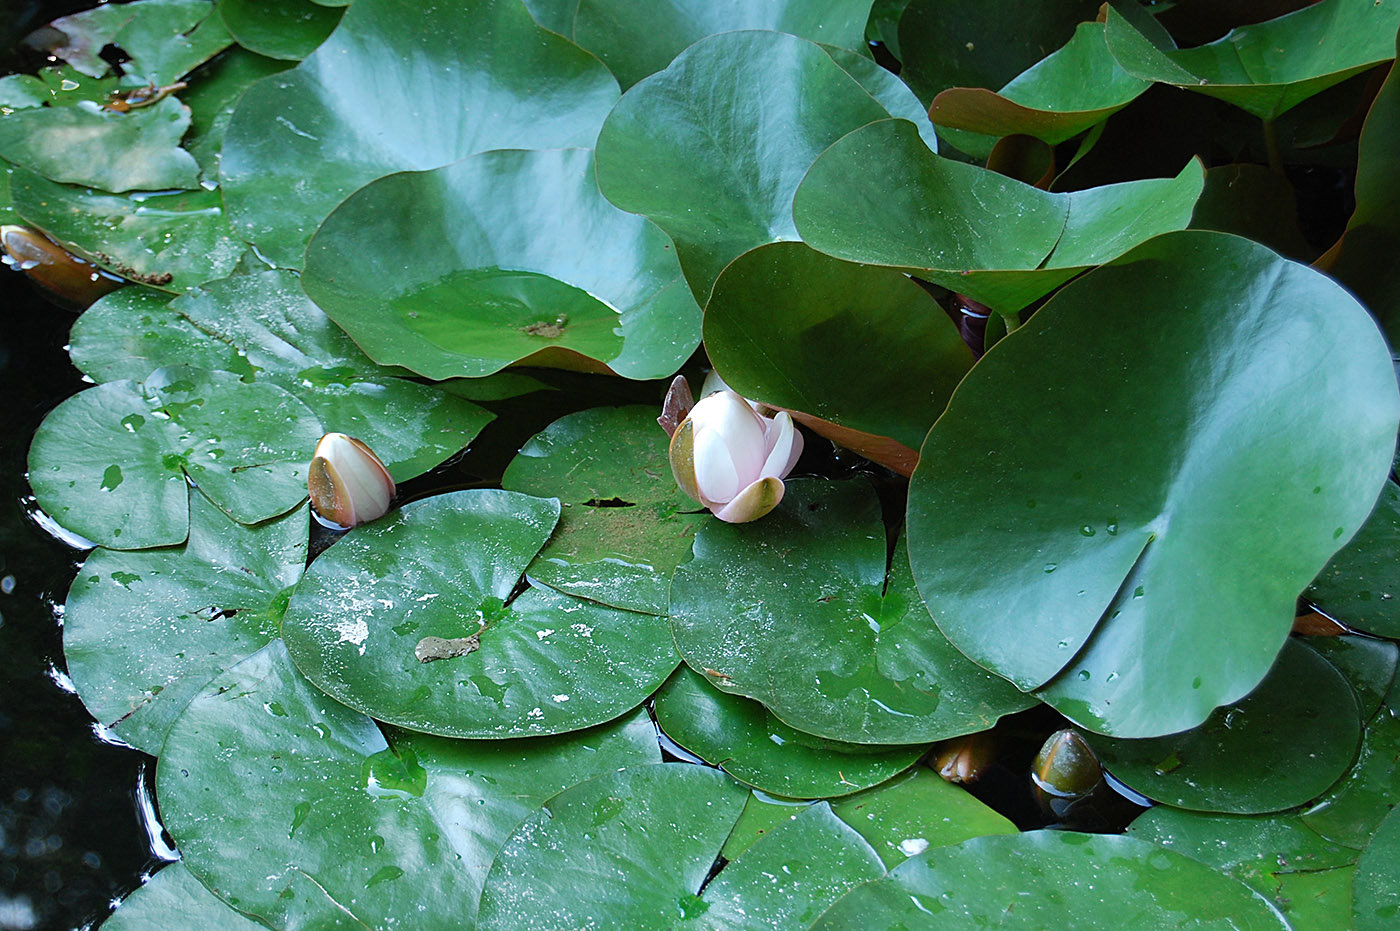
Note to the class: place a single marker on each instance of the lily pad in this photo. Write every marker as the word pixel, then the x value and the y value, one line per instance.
pixel 505 266
pixel 1271 67
pixel 111 462
pixel 630 849
pixel 211 100
pixel 444 567
pixel 976 232
pixel 1376 887
pixel 624 524
pixel 743 160
pixel 295 809
pixel 393 90
pixel 759 750
pixel 288 29
pixel 800 612
pixel 1352 809
pixel 636 41
pixel 860 346
pixel 1076 571
pixel 1037 880
pixel 1303 703
pixel 1057 98
pixel 1361 585
pixel 175 891
pixel 144 631
pixel 1367 663
pixel 170 241
pixel 263 328
pixel 163 39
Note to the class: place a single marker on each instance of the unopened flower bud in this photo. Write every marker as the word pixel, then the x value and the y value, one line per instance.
pixel 347 482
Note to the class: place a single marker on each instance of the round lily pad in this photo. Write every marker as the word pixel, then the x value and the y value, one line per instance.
pixel 1354 807
pixel 1361 585
pixel 759 750
pixel 175 891
pixel 295 809
pixel 496 260
pixel 799 611
pixel 1367 663
pixel 624 525
pixel 279 28
pixel 1376 886
pixel 1301 725
pixel 1050 879
pixel 1120 567
pixel 411 620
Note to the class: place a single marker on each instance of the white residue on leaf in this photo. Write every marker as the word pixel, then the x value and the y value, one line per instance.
pixel 356 632
pixel 541 634
pixel 913 846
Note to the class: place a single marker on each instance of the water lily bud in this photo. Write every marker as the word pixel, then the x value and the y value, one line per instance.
pixel 964 759
pixel 71 281
pixel 1066 769
pixel 347 482
pixel 731 460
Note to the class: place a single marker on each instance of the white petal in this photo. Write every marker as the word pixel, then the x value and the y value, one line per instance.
pixel 753 502
pixel 784 446
pixel 727 416
pixel 715 476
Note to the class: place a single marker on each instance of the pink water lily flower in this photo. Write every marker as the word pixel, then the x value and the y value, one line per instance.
pixel 731 459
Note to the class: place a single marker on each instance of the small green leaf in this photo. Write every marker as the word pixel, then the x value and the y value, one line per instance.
pixel 288 29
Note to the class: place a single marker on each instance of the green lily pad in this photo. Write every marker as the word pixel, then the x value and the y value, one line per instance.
pixel 1301 725
pixel 635 41
pixel 289 29
pixel 170 241
pixel 629 850
pixel 1352 809
pixel 624 524
pixel 1376 886
pixel 1043 874
pixel 211 100
pixel 1368 664
pixel 799 612
pixel 1361 585
pixel 743 160
pixel 296 810
pixel 1268 68
pixel 163 39
pixel 263 328
pixel 860 346
pixel 89 145
pixel 1057 98
pixel 888 90
pixel 1077 569
pixel 144 631
pixel 111 463
pixel 1264 852
pixel 444 567
pixel 759 750
pixel 175 891
pixel 504 264
pixel 393 89
pixel 969 229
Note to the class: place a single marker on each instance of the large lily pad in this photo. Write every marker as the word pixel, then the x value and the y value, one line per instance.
pixel 1077 569
pixel 175 891
pixel 1268 68
pixel 1361 585
pixel 144 631
pixel 264 329
pixel 111 463
pixel 880 197
pixel 635 41
pixel 759 750
pixel 720 179
pixel 361 625
pixel 630 849
pixel 513 254
pixel 170 241
pixel 800 612
pixel 295 809
pixel 859 346
pixel 1376 886
pixel 1352 809
pixel 1037 880
pixel 1303 703
pixel 470 77
pixel 624 524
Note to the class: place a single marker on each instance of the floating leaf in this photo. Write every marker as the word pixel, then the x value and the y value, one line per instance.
pixel 163 39
pixel 1111 552
pixel 1361 585
pixel 1044 874
pixel 497 260
pixel 625 525
pixel 1367 663
pixel 1268 68
pixel 444 567
pixel 211 100
pixel 294 809
pixel 144 631
pixel 798 612
pixel 880 197
pixel 175 891
pixel 743 160
pixel 1301 725
pixel 395 90
pixel 288 29
pixel 1352 809
pixel 630 849
pixel 859 346
pixel 1376 887
pixel 759 750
